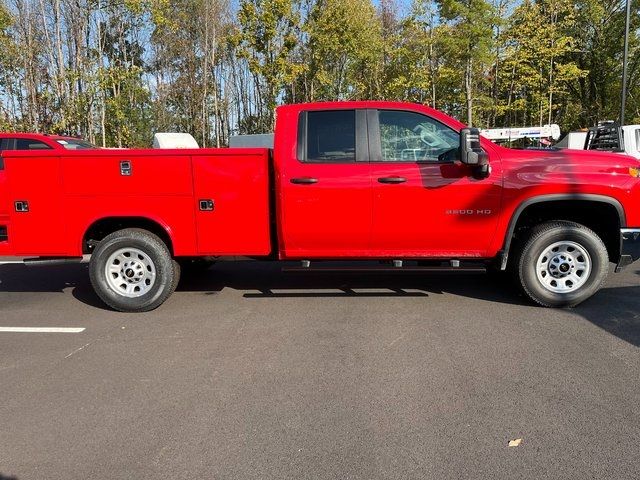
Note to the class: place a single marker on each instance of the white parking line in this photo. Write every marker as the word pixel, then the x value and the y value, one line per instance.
pixel 41 330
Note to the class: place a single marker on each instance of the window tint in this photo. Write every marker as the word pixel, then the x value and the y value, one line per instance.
pixel 4 143
pixel 28 144
pixel 331 136
pixel 413 137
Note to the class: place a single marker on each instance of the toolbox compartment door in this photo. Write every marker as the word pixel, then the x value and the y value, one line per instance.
pixel 36 225
pixel 231 189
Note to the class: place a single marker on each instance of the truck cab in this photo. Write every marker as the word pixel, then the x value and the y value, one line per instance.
pixel 380 180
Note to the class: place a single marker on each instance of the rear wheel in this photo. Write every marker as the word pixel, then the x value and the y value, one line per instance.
pixel 561 264
pixel 132 270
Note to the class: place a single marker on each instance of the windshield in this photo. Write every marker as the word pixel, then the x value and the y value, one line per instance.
pixel 75 144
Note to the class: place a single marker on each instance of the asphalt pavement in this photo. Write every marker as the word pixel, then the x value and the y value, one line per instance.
pixel 250 373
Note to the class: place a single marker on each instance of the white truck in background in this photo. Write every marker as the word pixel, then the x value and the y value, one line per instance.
pixel 606 137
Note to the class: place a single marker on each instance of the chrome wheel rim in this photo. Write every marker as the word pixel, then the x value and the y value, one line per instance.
pixel 563 267
pixel 130 272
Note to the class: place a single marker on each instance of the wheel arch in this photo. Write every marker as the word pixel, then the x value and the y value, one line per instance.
pixel 102 227
pixel 561 204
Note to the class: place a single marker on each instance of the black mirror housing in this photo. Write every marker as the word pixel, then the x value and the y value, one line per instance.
pixel 471 153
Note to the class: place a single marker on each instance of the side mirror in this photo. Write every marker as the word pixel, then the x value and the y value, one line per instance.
pixel 472 154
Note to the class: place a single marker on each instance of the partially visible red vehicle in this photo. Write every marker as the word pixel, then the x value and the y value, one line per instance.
pixel 396 182
pixel 30 141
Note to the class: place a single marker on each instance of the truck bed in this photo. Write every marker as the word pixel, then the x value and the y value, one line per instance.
pixel 69 191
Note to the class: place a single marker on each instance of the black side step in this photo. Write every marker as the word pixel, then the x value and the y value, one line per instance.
pixel 43 261
pixel 386 269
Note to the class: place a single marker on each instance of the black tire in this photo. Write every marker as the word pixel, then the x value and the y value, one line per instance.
pixel 177 274
pixel 568 234
pixel 155 253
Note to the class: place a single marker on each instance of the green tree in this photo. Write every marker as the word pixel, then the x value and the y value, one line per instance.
pixel 266 39
pixel 469 43
pixel 598 31
pixel 538 69
pixel 414 72
pixel 344 51
pixel 7 66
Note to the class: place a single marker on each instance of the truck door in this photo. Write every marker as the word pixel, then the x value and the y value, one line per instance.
pixel 35 212
pixel 424 205
pixel 325 187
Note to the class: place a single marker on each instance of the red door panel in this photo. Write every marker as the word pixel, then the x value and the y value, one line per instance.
pixel 237 184
pixel 440 211
pixel 330 218
pixel 35 180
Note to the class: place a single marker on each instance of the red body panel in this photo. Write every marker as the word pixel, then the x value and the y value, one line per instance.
pixel 441 211
pixel 238 184
pixel 68 191
pixel 436 212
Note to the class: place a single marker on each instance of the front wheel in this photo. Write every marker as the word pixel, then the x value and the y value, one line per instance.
pixel 562 264
pixel 132 270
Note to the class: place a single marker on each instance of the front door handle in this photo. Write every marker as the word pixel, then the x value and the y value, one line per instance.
pixel 304 181
pixel 392 180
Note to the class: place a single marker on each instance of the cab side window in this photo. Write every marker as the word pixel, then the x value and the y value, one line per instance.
pixel 328 136
pixel 29 144
pixel 413 137
pixel 4 144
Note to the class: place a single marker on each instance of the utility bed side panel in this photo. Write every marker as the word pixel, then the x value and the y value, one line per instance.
pixel 236 181
pixel 103 172
pixel 173 213
pixel 69 191
pixel 157 185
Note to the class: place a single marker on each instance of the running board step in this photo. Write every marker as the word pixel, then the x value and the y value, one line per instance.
pixel 43 261
pixel 386 269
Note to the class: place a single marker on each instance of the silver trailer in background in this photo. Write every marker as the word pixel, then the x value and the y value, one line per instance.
pixel 252 141
pixel 572 141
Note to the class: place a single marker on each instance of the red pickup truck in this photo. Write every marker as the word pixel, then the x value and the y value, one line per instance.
pixel 395 182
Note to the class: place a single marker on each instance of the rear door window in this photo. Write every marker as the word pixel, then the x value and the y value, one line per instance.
pixel 30 144
pixel 330 136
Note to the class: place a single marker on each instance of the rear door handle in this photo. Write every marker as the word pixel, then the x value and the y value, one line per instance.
pixel 304 181
pixel 392 180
